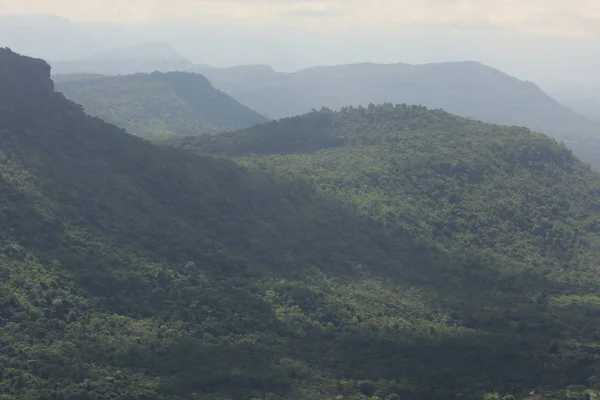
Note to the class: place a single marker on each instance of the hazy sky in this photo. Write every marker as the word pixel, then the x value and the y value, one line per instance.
pixel 554 17
pixel 551 42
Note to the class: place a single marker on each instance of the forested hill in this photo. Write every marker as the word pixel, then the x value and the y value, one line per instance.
pixel 513 214
pixel 456 263
pixel 159 104
pixel 133 271
pixel 468 89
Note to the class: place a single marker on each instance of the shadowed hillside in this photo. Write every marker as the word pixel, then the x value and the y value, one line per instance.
pixel 407 253
pixel 512 215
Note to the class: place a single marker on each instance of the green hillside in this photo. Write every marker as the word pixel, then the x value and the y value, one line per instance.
pixel 511 214
pixel 158 104
pixel 468 89
pixel 417 255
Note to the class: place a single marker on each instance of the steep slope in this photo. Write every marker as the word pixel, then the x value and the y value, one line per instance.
pixel 467 88
pixel 159 104
pixel 134 271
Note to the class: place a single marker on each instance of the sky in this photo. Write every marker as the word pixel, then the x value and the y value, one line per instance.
pixel 547 17
pixel 555 43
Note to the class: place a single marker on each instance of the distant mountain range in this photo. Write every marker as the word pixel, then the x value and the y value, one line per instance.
pixel 142 57
pixel 158 104
pixel 466 88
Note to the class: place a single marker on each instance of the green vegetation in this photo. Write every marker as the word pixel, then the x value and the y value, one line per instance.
pixel 376 253
pixel 505 221
pixel 158 104
pixel 469 89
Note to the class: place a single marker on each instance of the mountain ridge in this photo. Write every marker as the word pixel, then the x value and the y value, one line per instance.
pixel 405 253
pixel 160 104
pixel 467 88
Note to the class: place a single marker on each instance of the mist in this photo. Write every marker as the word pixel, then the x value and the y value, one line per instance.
pixel 554 62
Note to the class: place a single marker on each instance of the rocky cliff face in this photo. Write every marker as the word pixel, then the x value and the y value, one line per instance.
pixel 26 88
pixel 23 75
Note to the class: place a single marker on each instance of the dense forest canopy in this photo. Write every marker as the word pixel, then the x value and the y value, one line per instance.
pixel 375 253
pixel 511 214
pixel 468 88
pixel 158 104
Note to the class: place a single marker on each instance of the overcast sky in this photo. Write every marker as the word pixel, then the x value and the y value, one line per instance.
pixel 554 17
pixel 552 42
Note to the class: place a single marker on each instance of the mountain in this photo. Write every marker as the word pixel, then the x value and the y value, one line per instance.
pixel 136 271
pixel 510 213
pixel 137 58
pixel 383 252
pixel 158 104
pixel 465 88
pixel 468 88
